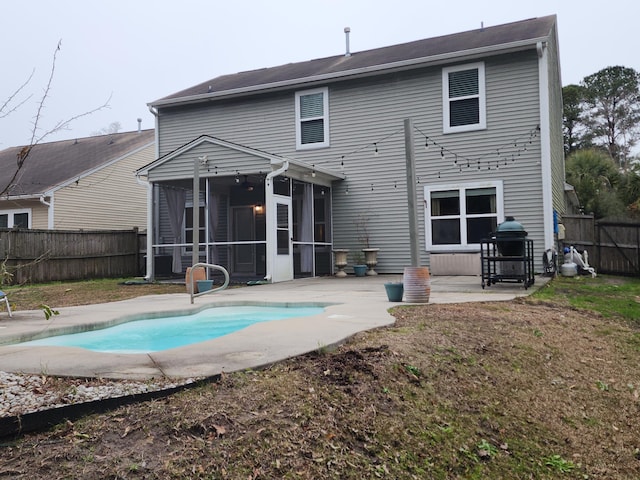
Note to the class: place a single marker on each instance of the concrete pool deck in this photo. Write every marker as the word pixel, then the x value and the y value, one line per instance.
pixel 353 305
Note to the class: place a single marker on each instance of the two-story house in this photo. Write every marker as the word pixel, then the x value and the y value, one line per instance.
pixel 293 161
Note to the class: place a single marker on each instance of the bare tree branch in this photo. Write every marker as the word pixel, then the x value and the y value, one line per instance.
pixel 5 108
pixel 60 125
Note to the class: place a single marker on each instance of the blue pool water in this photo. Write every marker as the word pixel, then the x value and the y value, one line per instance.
pixel 152 335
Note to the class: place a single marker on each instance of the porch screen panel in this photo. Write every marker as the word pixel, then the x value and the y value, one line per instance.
pixel 306 229
pixel 282 228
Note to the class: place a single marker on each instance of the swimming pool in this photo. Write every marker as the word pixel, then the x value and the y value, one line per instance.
pixel 156 334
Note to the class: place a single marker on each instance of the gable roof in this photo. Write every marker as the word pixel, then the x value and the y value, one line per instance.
pixel 507 37
pixel 52 164
pixel 292 164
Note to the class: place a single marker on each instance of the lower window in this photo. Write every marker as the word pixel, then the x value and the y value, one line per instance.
pixel 14 219
pixel 460 216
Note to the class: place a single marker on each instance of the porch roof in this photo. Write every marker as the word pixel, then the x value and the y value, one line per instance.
pixel 296 168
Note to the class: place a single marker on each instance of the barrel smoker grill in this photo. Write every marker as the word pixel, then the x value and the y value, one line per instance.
pixel 510 236
pixel 507 256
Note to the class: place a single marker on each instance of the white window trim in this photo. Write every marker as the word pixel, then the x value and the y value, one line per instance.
pixel 325 117
pixel 13 212
pixel 482 125
pixel 461 187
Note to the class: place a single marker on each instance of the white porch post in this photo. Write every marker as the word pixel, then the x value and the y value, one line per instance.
pixel 271 220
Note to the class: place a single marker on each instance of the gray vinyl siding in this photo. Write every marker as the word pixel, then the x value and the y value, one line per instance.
pixel 373 110
pixel 227 161
pixel 555 121
pixel 266 123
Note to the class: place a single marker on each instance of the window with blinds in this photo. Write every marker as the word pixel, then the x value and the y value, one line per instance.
pixel 312 122
pixel 464 105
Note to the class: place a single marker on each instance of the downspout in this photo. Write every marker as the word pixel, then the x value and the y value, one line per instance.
pixel 149 264
pixel 270 216
pixel 49 206
pixel 149 275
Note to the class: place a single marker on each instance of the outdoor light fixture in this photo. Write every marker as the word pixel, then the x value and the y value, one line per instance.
pixel 247 185
pixel 259 208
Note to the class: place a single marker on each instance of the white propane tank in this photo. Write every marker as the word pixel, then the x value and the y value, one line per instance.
pixel 568 269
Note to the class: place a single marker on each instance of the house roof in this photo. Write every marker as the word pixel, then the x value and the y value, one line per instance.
pixel 52 164
pixel 483 41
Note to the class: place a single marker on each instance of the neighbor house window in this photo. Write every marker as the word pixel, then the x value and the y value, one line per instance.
pixel 463 96
pixel 15 219
pixel 459 217
pixel 312 118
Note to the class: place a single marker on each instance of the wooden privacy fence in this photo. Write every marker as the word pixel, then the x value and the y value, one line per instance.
pixel 613 246
pixel 36 256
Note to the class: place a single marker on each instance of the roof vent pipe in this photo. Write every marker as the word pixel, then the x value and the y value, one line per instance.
pixel 139 125
pixel 347 30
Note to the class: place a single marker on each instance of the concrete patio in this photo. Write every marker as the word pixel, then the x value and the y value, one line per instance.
pixel 352 305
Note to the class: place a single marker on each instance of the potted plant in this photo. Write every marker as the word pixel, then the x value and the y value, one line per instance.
pixel 371 254
pixel 395 291
pixel 359 267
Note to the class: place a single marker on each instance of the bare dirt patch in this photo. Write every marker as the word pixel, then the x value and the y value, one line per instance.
pixel 489 390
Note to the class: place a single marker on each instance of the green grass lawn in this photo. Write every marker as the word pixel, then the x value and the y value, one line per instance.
pixel 613 297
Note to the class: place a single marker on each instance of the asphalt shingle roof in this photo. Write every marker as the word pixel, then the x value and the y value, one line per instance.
pixel 522 31
pixel 54 163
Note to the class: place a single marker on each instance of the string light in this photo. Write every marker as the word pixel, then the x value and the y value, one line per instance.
pixel 513 148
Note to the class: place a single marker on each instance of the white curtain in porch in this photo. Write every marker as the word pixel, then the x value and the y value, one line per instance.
pixel 176 200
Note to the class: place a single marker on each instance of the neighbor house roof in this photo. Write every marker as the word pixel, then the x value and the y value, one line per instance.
pixel 49 165
pixel 482 41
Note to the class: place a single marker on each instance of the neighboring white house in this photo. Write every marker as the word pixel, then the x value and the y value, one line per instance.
pixel 85 183
pixel 293 161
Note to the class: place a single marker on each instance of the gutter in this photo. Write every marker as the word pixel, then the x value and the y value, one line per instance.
pixel 270 220
pixel 358 72
pixel 49 206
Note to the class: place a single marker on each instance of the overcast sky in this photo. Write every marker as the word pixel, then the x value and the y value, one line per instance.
pixel 137 51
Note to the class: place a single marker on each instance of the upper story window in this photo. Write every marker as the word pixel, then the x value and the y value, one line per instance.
pixel 463 96
pixel 312 118
pixel 458 217
pixel 15 219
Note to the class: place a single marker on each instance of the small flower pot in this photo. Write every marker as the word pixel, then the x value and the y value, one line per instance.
pixel 204 285
pixel 360 270
pixel 394 291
